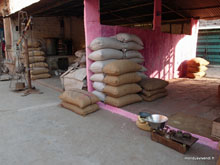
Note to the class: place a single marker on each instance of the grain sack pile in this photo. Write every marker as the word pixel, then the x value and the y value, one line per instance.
pixel 79 101
pixel 153 89
pixel 38 66
pixel 81 58
pixel 109 49
pixel 196 67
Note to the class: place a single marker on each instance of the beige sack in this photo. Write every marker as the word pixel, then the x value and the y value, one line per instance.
pixel 133 54
pixel 124 100
pixel 105 54
pixel 151 84
pixel 126 37
pixel 120 67
pixel 80 111
pixel 197 62
pixel 154 97
pixel 105 43
pixel 151 93
pixel 32 44
pixel 196 69
pixel 39 64
pixel 196 75
pixel 132 46
pixel 79 98
pixel 121 90
pixel 36 71
pixel 36 59
pixel 126 78
pixel 40 76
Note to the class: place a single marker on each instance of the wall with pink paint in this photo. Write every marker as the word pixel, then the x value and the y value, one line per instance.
pixel 163 52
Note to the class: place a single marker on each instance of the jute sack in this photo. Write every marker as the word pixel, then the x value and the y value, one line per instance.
pixel 40 76
pixel 196 75
pixel 154 97
pixel 121 90
pixel 36 53
pixel 151 84
pixel 105 42
pixel 133 54
pixel 197 62
pixel 98 77
pixel 132 46
pixel 39 64
pixel 105 54
pixel 100 95
pixel 97 67
pixel 196 69
pixel 80 111
pixel 151 93
pixel 125 37
pixel 99 86
pixel 143 69
pixel 126 78
pixel 80 53
pixel 120 67
pixel 36 71
pixel 36 59
pixel 122 101
pixel 137 60
pixel 142 75
pixel 79 98
pixel 32 44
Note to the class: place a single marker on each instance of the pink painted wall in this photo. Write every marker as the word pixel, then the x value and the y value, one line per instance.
pixel 163 52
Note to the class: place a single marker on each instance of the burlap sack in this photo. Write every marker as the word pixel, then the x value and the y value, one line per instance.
pixel 97 67
pixel 125 37
pixel 137 60
pixel 100 95
pixel 79 98
pixel 120 67
pixel 196 75
pixel 40 76
pixel 32 44
pixel 80 111
pixel 36 53
pixel 196 69
pixel 133 54
pixel 126 78
pixel 121 90
pixel 39 64
pixel 105 54
pixel 124 100
pixel 105 43
pixel 197 62
pixel 142 75
pixel 154 97
pixel 36 59
pixel 99 86
pixel 98 77
pixel 36 71
pixel 80 53
pixel 132 46
pixel 151 84
pixel 151 93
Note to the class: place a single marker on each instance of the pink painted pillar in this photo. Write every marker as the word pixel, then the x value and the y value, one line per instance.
pixel 92 30
pixel 194 33
pixel 157 15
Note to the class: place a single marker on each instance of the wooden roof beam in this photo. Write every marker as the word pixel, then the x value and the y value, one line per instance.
pixel 178 13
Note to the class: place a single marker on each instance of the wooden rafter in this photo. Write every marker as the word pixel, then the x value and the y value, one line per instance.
pixel 178 13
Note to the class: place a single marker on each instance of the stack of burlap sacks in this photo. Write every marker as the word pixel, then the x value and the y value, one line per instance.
pixel 81 58
pixel 79 101
pixel 106 51
pixel 38 66
pixel 153 89
pixel 196 68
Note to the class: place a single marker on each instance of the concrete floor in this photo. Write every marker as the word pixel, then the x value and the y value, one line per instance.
pixel 36 130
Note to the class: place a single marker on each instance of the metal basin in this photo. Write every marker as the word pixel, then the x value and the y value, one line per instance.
pixel 156 121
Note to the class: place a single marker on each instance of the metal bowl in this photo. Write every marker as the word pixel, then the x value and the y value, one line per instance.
pixel 156 121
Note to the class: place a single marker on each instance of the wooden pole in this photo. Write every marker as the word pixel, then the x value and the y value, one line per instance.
pixel 157 15
pixel 27 63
